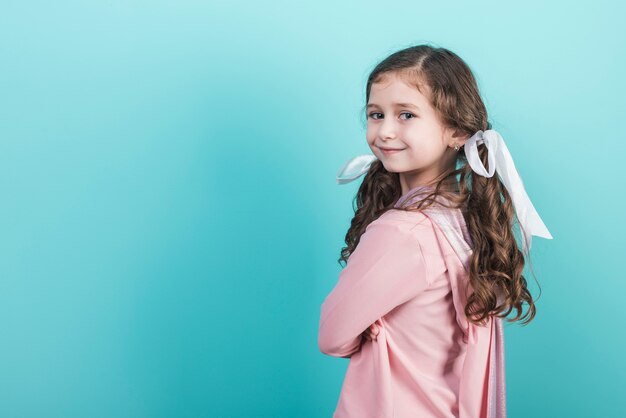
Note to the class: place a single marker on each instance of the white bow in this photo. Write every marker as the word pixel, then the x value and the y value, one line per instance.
pixel 500 161
pixel 354 168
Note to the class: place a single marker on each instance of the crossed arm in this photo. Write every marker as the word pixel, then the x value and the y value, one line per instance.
pixel 386 269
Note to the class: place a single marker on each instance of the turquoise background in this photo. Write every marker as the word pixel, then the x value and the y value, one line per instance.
pixel 170 222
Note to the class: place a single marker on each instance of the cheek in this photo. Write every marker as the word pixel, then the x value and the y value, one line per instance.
pixel 371 139
pixel 425 153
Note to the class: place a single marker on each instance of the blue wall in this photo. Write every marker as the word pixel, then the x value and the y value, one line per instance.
pixel 170 224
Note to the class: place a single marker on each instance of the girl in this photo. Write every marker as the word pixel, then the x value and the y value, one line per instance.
pixel 432 261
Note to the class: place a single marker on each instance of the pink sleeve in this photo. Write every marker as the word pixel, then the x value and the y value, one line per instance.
pixel 386 269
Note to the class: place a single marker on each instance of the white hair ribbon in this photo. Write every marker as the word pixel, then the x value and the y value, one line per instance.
pixel 354 168
pixel 499 160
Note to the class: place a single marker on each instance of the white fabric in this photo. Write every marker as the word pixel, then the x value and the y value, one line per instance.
pixel 499 160
pixel 354 168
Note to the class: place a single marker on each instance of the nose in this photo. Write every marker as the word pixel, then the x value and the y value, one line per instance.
pixel 387 130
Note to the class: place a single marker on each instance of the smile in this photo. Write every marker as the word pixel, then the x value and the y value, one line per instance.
pixel 390 151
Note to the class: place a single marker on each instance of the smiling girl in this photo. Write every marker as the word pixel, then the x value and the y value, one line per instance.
pixel 433 264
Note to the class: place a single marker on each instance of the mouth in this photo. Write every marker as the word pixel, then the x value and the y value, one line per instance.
pixel 389 151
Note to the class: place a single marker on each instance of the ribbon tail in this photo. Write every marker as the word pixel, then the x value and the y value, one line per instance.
pixel 354 168
pixel 530 221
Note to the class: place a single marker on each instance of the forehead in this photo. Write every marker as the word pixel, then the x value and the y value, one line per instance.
pixel 394 89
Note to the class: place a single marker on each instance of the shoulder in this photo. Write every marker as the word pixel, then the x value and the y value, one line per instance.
pixel 390 240
pixel 399 227
pixel 404 237
pixel 403 222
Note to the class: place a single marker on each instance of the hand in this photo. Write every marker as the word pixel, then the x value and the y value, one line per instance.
pixel 372 332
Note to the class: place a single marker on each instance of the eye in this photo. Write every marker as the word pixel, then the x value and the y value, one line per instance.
pixel 372 115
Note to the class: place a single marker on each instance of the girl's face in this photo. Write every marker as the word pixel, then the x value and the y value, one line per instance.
pixel 405 134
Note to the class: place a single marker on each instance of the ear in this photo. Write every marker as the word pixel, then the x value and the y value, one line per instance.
pixel 458 137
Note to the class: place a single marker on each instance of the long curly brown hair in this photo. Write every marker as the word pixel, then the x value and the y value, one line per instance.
pixel 497 263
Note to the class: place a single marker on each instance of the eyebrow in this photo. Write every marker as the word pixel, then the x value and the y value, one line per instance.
pixel 396 105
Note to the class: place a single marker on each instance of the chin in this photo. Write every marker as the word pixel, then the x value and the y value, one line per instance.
pixel 393 168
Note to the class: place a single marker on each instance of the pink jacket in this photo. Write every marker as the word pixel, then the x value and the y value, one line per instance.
pixel 408 273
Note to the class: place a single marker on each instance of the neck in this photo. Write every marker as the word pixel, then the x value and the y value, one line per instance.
pixel 450 184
